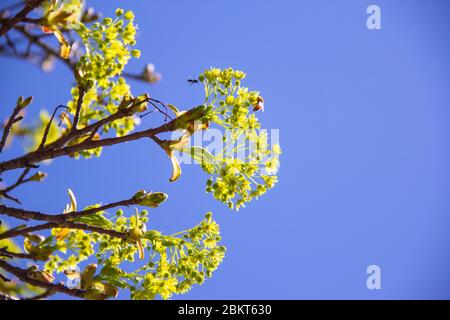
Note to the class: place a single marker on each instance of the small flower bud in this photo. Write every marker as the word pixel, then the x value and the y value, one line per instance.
pixel 39 176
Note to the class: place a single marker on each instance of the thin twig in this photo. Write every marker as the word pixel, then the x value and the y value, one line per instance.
pixel 60 218
pixel 41 296
pixel 3 278
pixel 4 296
pixel 76 118
pixel 94 127
pixel 12 119
pixel 7 196
pixel 47 128
pixel 21 180
pixel 66 224
pixel 11 44
pixel 40 155
pixel 5 253
pixel 23 276
pixel 20 16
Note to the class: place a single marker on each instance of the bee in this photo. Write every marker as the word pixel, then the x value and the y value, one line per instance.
pixel 259 105
pixel 192 81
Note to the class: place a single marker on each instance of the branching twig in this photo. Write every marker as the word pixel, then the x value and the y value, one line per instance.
pixel 3 278
pixel 22 275
pixel 41 296
pixel 59 218
pixel 4 296
pixel 48 153
pixel 19 181
pixel 47 128
pixel 94 127
pixel 12 119
pixel 76 118
pixel 7 196
pixel 5 253
pixel 20 16
pixel 66 224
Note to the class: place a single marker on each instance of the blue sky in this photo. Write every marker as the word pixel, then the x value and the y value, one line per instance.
pixel 364 126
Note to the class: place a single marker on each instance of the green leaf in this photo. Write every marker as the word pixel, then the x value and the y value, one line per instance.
pixel 201 155
pixel 96 219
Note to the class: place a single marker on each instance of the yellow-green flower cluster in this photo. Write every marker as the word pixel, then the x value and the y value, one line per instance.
pixel 109 46
pixel 229 103
pixel 246 167
pixel 174 262
pixel 180 260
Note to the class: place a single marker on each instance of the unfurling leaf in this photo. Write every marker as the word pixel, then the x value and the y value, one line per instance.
pixel 64 49
pixel 96 219
pixel 73 201
pixel 152 199
pixel 176 169
pixel 101 291
pixel 88 275
pixel 62 233
pixel 33 272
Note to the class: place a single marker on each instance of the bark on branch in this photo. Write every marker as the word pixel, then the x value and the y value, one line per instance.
pixel 20 16
pixel 21 274
pixel 60 218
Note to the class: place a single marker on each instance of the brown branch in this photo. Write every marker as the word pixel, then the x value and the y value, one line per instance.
pixel 22 275
pixel 47 128
pixel 60 218
pixel 39 156
pixel 7 196
pixel 19 232
pixel 76 118
pixel 5 253
pixel 66 224
pixel 12 119
pixel 20 16
pixel 3 278
pixel 41 296
pixel 35 39
pixel 47 153
pixel 4 297
pixel 19 181
pixel 94 127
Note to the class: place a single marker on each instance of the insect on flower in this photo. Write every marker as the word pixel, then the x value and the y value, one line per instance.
pixel 259 105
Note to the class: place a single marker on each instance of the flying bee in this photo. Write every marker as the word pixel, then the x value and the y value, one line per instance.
pixel 192 81
pixel 259 105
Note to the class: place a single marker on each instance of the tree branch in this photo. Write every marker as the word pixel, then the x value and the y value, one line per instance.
pixel 60 218
pixel 20 16
pixel 47 128
pixel 66 224
pixel 5 253
pixel 22 275
pixel 76 118
pixel 121 113
pixel 12 119
pixel 3 278
pixel 40 155
pixel 4 296
pixel 41 296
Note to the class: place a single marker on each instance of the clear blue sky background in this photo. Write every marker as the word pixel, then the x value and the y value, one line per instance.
pixel 364 123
